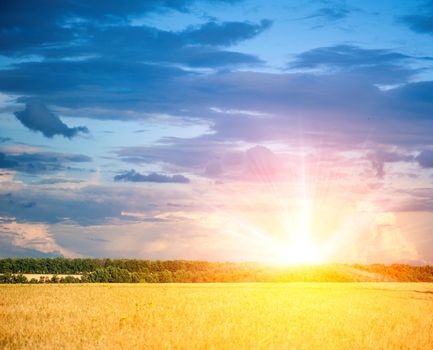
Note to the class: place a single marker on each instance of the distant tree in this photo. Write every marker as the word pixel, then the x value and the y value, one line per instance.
pixel 166 276
pixel 10 278
pixel 70 279
pixel 55 279
pixel 113 275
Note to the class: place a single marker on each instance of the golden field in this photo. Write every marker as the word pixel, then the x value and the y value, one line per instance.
pixel 217 316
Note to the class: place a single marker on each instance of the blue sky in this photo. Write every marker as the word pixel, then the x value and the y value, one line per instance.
pixel 217 130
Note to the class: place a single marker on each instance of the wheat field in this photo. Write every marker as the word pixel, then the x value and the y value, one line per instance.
pixel 217 316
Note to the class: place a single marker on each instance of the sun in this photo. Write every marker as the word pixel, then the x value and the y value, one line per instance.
pixel 300 251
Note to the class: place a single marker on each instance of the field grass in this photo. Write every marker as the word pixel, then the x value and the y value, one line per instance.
pixel 217 316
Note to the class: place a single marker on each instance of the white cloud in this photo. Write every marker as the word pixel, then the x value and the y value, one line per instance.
pixel 31 236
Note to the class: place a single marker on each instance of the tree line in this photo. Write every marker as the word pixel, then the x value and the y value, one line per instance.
pixel 81 265
pixel 109 274
pixel 89 270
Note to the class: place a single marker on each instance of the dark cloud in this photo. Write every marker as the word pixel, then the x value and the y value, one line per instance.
pixel 340 104
pixel 98 59
pixel 344 101
pixel 133 176
pixel 422 22
pixel 111 83
pixel 40 162
pixel 109 60
pixel 347 57
pixel 425 159
pixel 225 33
pixel 333 13
pixel 46 22
pixel 88 205
pixel 53 208
pixel 418 93
pixel 92 54
pixel 89 81
pixel 28 205
pixel 330 14
pixel 120 41
pixel 6 162
pixel 37 117
pixel 210 58
pixel 57 180
pixel 379 158
pixel 190 153
pixel 5 139
pixel 149 44
pixel 346 97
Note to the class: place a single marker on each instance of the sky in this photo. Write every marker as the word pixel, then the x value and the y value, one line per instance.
pixel 221 130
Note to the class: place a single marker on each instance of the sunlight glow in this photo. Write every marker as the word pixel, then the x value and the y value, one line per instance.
pixel 306 214
pixel 303 252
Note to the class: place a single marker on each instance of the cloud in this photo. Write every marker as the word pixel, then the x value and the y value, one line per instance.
pixel 88 204
pixel 37 117
pixel 425 159
pixel 346 96
pixel 103 61
pixel 330 14
pixel 30 236
pixel 28 205
pixel 58 180
pixel 6 163
pixel 39 162
pixel 99 212
pixel 333 13
pixel 419 93
pixel 59 206
pixel 423 22
pixel 261 162
pixel 206 158
pixel 378 238
pixel 64 79
pixel 191 153
pixel 82 39
pixel 420 24
pixel 347 57
pixel 189 238
pixel 133 176
pixel 256 163
pixel 225 33
pixel 7 250
pixel 85 57
pixel 186 47
pixel 380 157
pixel 44 22
pixel 418 199
pixel 96 55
